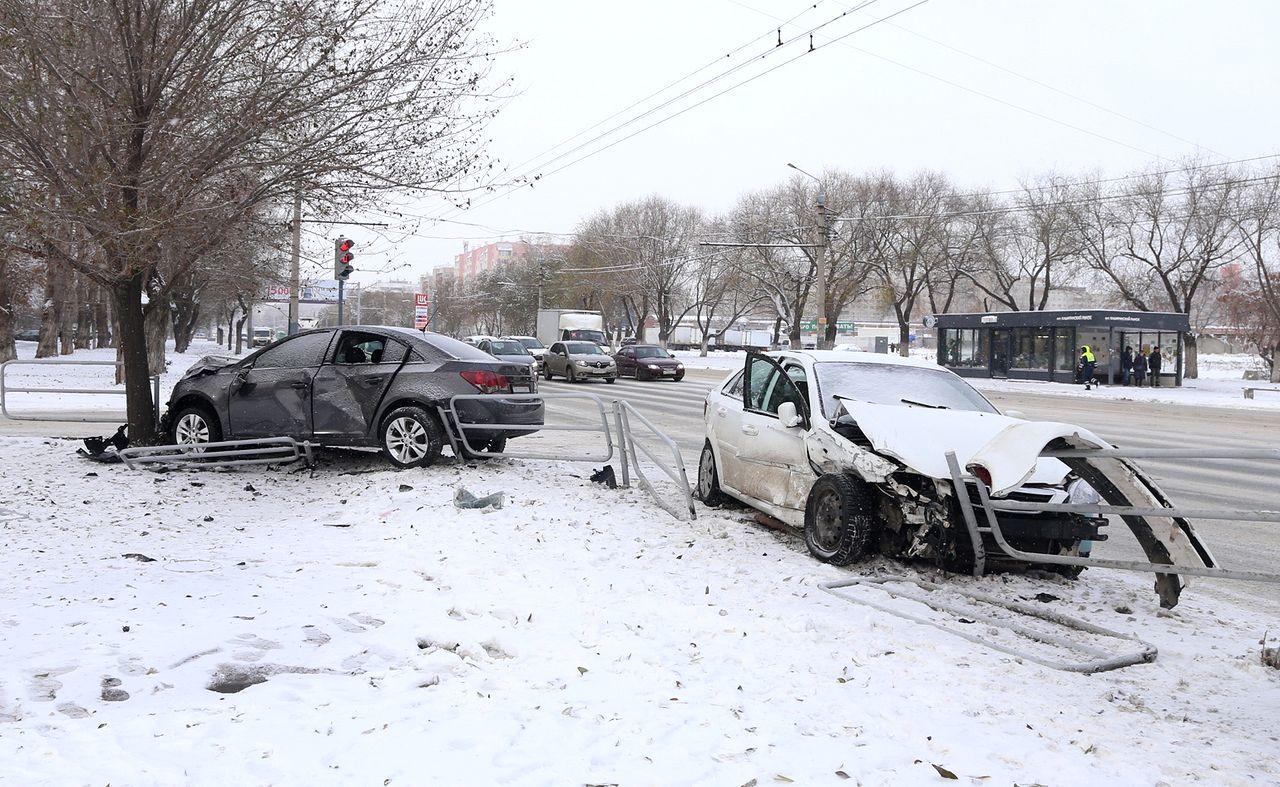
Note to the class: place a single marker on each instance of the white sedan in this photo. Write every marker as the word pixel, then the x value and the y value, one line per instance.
pixel 852 448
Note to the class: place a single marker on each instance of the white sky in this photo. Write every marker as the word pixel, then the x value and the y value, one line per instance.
pixel 1204 72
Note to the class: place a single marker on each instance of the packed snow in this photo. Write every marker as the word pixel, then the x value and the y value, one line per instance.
pixel 350 625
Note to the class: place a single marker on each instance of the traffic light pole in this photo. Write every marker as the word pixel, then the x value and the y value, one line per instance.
pixel 341 287
pixel 295 268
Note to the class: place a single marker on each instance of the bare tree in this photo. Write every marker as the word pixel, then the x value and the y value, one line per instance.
pixel 1254 303
pixel 129 120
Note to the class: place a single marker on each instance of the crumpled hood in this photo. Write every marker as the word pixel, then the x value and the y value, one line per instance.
pixel 209 364
pixel 1008 447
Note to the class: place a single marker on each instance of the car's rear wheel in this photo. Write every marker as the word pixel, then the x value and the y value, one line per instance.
pixel 411 437
pixel 839 519
pixel 709 479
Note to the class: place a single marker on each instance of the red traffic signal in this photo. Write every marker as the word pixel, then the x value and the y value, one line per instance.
pixel 345 244
pixel 342 257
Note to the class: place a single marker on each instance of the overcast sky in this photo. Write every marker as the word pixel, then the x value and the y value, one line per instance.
pixel 1185 74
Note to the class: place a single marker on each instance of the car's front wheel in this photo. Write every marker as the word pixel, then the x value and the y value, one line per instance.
pixel 708 479
pixel 194 426
pixel 839 519
pixel 546 372
pixel 411 437
pixel 572 376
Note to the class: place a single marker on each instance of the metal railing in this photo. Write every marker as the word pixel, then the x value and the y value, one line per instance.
pixel 224 453
pixel 963 480
pixel 6 389
pixel 614 422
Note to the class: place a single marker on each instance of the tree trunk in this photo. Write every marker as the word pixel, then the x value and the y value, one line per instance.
pixel 829 331
pixel 48 343
pixel 126 298
pixel 904 338
pixel 1274 360
pixel 84 314
pixel 8 350
pixel 1190 357
pixel 777 332
pixel 185 319
pixel 239 334
pixel 102 321
pixel 67 308
pixel 219 335
pixel 156 323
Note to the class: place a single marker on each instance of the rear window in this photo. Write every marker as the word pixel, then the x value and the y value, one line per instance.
pixel 503 347
pixel 453 348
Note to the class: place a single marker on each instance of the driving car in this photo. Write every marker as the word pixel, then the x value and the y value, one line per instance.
pixel 510 351
pixel 262 337
pixel 474 341
pixel 356 386
pixel 851 449
pixel 536 348
pixel 648 362
pixel 577 361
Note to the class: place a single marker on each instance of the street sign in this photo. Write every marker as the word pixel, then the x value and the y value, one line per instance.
pixel 421 310
pixel 841 327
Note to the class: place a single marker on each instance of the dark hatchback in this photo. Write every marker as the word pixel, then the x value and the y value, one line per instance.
pixel 362 386
pixel 648 362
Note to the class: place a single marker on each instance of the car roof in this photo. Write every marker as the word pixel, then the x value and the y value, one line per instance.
pixel 855 356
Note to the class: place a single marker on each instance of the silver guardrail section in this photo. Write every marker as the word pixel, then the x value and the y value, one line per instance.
pixel 613 419
pixel 963 479
pixel 1096 659
pixel 8 389
pixel 224 453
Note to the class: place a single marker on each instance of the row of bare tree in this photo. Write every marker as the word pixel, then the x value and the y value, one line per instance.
pixel 1199 239
pixel 152 149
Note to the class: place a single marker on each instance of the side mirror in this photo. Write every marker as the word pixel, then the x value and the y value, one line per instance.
pixel 1015 413
pixel 788 415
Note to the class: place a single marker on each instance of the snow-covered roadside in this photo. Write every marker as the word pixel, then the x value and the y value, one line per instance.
pixel 99 377
pixel 578 635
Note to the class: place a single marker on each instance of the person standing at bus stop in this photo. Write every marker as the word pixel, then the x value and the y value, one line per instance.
pixel 1139 366
pixel 1154 362
pixel 1126 364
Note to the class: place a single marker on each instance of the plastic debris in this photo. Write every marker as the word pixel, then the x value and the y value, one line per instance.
pixel 464 499
pixel 605 476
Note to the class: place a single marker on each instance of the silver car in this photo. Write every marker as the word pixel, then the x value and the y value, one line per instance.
pixel 577 361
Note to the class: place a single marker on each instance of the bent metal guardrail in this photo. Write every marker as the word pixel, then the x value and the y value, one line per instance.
pixel 224 453
pixel 962 479
pixel 629 449
pixel 9 389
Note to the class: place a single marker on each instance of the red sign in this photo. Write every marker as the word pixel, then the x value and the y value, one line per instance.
pixel 421 310
pixel 421 299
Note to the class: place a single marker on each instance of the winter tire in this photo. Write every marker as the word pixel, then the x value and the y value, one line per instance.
pixel 839 519
pixel 411 437
pixel 195 425
pixel 546 372
pixel 611 380
pixel 678 377
pixel 708 479
pixel 641 374
pixel 572 376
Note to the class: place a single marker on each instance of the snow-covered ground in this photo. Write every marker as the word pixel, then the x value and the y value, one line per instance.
pixel 351 626
pixel 1221 382
pixel 97 377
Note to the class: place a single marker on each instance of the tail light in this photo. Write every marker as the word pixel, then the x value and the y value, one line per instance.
pixel 981 473
pixel 487 381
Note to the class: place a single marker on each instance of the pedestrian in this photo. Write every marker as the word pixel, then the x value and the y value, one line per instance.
pixel 1139 367
pixel 1154 362
pixel 1087 364
pixel 1126 364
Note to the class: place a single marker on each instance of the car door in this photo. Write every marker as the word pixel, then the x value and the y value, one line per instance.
pixel 272 398
pixel 724 420
pixel 625 359
pixel 772 456
pixel 349 386
pixel 557 359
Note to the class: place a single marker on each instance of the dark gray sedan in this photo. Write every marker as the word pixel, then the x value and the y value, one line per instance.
pixel 358 385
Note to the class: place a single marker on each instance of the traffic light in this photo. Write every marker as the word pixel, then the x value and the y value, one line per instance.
pixel 342 258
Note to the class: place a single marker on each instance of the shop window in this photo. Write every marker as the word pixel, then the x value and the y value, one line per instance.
pixel 1031 349
pixel 1064 351
pixel 962 348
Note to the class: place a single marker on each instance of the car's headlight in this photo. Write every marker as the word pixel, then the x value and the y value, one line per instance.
pixel 653 367
pixel 1081 493
pixel 679 366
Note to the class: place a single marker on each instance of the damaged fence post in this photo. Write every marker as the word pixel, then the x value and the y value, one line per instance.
pixel 970 519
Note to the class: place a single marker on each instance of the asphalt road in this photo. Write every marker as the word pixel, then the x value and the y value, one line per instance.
pixel 676 408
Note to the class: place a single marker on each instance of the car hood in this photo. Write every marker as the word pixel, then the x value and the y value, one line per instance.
pixel 659 361
pixel 608 358
pixel 209 364
pixel 1007 447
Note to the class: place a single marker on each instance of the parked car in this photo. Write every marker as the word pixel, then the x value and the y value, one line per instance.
pixel 648 362
pixel 474 341
pixel 851 448
pixel 510 351
pixel 577 361
pixel 536 348
pixel 373 386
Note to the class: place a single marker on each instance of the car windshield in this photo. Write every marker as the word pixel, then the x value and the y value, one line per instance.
pixel 585 335
pixel 506 348
pixel 583 348
pixel 652 352
pixel 531 343
pixel 881 383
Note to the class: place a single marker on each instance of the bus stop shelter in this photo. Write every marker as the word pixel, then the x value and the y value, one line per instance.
pixel 1045 345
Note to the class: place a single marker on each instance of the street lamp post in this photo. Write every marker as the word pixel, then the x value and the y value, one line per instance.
pixel 819 258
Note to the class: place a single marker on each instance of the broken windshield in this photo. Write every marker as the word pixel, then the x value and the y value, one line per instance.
pixel 882 383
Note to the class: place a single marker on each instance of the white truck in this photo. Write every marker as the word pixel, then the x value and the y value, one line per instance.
pixel 556 325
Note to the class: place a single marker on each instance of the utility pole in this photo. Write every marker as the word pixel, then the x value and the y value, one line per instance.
pixel 295 268
pixel 820 259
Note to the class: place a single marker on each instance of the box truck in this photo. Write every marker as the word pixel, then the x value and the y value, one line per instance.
pixel 556 325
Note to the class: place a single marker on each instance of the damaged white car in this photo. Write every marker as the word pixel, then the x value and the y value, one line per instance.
pixel 852 448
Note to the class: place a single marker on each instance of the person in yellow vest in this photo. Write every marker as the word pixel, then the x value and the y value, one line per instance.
pixel 1087 364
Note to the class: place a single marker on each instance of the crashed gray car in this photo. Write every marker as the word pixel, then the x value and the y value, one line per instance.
pixel 357 386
